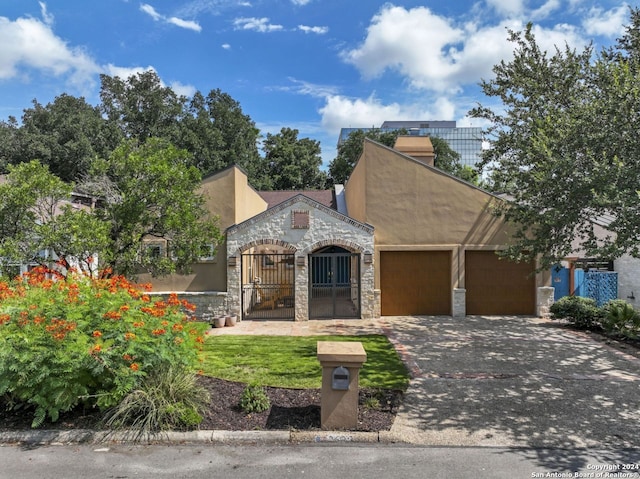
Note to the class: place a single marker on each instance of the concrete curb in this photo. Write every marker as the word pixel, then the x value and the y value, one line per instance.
pixel 84 436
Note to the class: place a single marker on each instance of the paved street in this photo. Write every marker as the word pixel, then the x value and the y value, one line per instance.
pixel 304 461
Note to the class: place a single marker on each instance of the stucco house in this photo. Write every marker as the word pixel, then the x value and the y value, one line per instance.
pixel 399 238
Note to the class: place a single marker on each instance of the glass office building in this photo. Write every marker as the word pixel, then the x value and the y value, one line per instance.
pixel 467 141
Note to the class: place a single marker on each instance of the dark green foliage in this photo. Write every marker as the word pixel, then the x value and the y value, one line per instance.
pixel 620 319
pixel 582 312
pixel 254 399
pixel 291 163
pixel 564 147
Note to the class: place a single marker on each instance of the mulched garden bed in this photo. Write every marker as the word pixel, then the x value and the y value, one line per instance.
pixel 291 409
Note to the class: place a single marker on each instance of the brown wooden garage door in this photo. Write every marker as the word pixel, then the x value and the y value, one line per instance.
pixel 498 286
pixel 415 282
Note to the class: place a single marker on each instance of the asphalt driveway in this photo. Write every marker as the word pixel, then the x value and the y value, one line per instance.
pixel 514 382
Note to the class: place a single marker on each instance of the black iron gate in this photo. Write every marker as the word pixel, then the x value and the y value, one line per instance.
pixel 334 285
pixel 268 286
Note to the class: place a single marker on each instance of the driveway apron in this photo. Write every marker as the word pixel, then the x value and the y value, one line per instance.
pixel 523 382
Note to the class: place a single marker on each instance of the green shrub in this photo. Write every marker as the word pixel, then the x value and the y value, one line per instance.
pixel 254 399
pixel 66 341
pixel 620 319
pixel 581 312
pixel 167 399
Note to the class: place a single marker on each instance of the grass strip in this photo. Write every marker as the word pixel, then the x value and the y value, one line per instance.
pixel 291 362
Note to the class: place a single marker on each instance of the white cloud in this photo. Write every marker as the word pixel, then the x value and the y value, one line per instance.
pixel 415 42
pixel 607 23
pixel 149 10
pixel 178 22
pixel 432 53
pixel 544 11
pixel 261 25
pixel 509 8
pixel 28 43
pixel 300 2
pixel 189 25
pixel 46 16
pixel 342 112
pixel 226 46
pixel 125 72
pixel 311 89
pixel 318 30
pixel 184 90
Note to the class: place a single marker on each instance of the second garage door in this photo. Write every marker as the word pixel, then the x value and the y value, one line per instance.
pixel 415 282
pixel 498 286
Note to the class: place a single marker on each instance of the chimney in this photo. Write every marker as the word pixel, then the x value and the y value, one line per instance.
pixel 418 147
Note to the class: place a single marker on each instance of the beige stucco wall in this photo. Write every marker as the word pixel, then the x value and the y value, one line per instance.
pixel 228 196
pixel 416 207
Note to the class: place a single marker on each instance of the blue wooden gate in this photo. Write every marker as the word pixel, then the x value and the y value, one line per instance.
pixel 601 286
pixel 560 282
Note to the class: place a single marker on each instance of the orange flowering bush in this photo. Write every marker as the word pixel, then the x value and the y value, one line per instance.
pixel 69 340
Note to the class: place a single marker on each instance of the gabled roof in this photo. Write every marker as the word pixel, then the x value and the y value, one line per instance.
pixel 299 197
pixel 429 167
pixel 325 197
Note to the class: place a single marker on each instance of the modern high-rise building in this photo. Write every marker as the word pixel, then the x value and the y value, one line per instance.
pixel 467 141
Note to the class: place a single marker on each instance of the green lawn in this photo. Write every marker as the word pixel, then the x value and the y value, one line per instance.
pixel 290 361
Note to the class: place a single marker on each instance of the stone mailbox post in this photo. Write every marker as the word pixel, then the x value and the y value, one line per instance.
pixel 341 363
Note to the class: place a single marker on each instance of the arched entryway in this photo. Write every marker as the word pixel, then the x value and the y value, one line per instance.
pixel 334 283
pixel 268 282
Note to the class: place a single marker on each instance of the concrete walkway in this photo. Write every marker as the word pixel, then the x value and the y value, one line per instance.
pixel 499 381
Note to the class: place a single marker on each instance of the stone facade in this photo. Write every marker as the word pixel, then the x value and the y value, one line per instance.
pixel 325 227
pixel 544 301
pixel 207 303
pixel 459 309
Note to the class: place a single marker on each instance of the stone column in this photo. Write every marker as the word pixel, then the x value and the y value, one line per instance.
pixel 459 310
pixel 544 300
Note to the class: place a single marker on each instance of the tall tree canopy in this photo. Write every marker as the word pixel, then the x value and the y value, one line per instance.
pixel 68 134
pixel 565 147
pixel 292 163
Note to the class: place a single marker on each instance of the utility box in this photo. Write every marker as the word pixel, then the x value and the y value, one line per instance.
pixel 341 362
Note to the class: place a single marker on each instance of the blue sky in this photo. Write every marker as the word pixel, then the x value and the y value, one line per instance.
pixel 313 65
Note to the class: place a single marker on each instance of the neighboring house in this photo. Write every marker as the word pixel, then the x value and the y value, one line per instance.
pixel 401 238
pixel 76 200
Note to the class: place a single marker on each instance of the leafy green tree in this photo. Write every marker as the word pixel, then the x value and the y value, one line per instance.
pixel 38 224
pixel 565 147
pixel 149 193
pixel 237 137
pixel 292 163
pixel 141 107
pixel 9 145
pixel 67 135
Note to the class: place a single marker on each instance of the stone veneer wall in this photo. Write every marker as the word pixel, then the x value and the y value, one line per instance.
pixel 326 227
pixel 544 300
pixel 208 303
